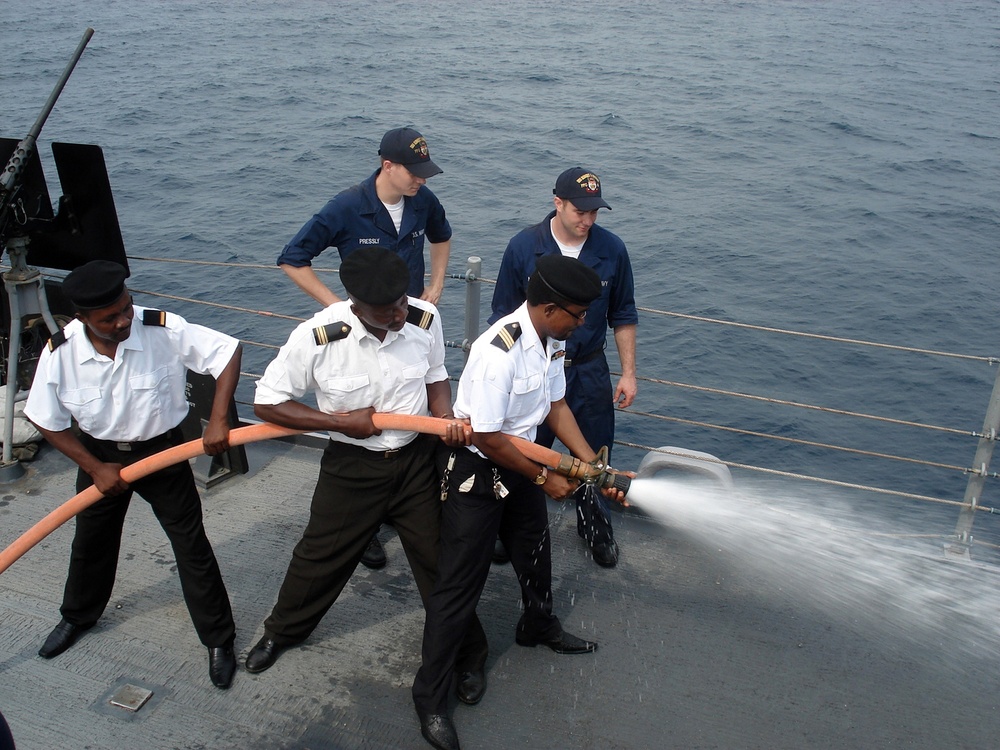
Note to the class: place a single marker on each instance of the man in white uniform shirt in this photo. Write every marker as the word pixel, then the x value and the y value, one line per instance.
pixel 513 382
pixel 124 383
pixel 379 351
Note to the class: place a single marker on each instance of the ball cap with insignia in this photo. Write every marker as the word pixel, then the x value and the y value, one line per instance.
pixel 569 278
pixel 581 187
pixel 375 275
pixel 96 284
pixel 407 147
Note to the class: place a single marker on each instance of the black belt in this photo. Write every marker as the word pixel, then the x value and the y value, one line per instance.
pixel 351 449
pixel 135 446
pixel 580 359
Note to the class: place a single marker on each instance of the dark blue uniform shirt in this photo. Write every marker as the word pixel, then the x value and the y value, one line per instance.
pixel 356 218
pixel 603 251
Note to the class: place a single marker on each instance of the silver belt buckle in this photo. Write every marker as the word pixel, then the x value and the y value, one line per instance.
pixel 125 447
pixel 567 362
pixel 390 453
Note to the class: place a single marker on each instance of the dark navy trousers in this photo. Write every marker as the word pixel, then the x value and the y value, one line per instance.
pixel 590 397
pixel 173 496
pixel 471 520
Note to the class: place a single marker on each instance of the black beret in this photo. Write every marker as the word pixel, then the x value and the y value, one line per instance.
pixel 569 278
pixel 375 275
pixel 96 284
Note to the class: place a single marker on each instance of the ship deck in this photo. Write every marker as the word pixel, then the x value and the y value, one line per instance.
pixel 696 650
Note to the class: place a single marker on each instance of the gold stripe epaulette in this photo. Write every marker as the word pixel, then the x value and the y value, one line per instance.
pixel 507 335
pixel 330 332
pixel 419 318
pixel 57 340
pixel 154 318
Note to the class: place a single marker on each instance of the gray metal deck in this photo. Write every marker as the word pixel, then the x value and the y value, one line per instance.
pixel 696 650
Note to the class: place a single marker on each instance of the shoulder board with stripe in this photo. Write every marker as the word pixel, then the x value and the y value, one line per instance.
pixel 420 318
pixel 507 336
pixel 154 318
pixel 330 332
pixel 57 340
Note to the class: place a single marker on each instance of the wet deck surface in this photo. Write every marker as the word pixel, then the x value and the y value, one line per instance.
pixel 696 651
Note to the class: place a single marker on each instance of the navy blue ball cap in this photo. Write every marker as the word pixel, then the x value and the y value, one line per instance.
pixel 375 275
pixel 407 147
pixel 569 278
pixel 95 284
pixel 582 188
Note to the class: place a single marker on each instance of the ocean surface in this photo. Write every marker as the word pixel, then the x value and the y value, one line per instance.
pixel 827 167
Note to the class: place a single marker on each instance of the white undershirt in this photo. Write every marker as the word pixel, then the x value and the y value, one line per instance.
pixel 395 212
pixel 572 251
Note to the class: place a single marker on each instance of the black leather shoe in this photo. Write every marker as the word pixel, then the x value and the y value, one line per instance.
pixel 471 686
pixel 374 556
pixel 500 556
pixel 263 655
pixel 606 554
pixel 61 638
pixel 564 643
pixel 438 730
pixel 221 666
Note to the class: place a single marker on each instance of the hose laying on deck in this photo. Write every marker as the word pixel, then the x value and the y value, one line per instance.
pixel 239 436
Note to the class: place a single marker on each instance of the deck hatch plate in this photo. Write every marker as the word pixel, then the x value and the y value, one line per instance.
pixel 130 697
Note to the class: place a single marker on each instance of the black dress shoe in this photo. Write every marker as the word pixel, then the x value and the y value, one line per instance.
pixel 471 686
pixel 500 556
pixel 263 655
pixel 221 666
pixel 606 554
pixel 374 556
pixel 564 643
pixel 438 730
pixel 61 638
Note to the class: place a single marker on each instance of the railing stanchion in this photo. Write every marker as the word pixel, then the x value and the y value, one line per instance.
pixel 980 467
pixel 473 272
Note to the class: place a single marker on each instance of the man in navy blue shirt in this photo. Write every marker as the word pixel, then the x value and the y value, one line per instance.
pixel 571 230
pixel 393 208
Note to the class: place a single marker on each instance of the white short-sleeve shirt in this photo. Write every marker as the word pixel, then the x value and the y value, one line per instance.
pixel 511 390
pixel 135 396
pixel 359 371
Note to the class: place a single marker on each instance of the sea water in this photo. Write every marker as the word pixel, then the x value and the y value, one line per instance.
pixel 829 167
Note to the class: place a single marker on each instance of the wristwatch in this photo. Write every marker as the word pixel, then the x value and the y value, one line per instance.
pixel 542 476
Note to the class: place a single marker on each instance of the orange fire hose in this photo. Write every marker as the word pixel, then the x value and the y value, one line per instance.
pixel 239 436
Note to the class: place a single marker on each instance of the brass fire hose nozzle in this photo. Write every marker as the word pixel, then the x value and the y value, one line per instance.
pixel 597 472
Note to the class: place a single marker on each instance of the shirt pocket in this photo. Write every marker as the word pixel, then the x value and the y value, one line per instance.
pixel 526 395
pixel 82 402
pixel 146 391
pixel 418 370
pixel 349 392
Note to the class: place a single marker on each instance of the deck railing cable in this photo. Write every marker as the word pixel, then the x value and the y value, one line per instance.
pixel 705 389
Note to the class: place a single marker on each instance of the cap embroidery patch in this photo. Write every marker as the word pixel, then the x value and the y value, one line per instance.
pixel 419 147
pixel 589 182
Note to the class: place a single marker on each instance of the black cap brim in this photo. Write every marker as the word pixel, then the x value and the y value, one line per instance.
pixel 424 169
pixel 588 203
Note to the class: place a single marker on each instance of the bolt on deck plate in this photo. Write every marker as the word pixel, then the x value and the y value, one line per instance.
pixel 130 697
